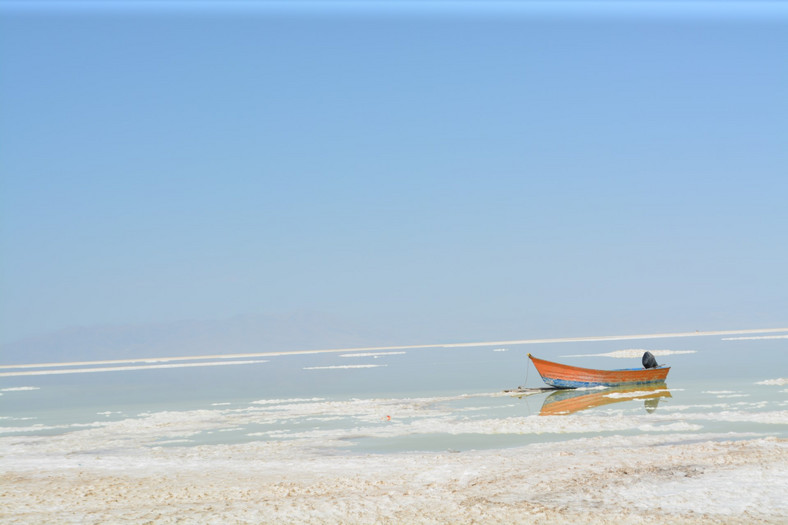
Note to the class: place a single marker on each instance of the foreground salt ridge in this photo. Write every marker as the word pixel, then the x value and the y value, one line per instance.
pixel 633 479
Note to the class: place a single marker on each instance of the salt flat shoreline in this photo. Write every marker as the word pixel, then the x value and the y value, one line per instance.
pixel 642 479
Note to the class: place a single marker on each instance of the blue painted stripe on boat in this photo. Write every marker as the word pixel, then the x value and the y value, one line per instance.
pixel 636 369
pixel 563 383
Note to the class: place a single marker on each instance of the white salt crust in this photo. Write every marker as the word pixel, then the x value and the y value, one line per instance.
pixel 643 479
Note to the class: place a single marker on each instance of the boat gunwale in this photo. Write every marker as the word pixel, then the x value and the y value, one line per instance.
pixel 660 367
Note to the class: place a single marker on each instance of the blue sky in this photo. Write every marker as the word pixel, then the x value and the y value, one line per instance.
pixel 457 170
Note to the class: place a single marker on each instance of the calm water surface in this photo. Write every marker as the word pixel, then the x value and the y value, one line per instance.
pixel 421 399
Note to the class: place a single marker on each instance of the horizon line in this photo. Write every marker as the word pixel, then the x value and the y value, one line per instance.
pixel 152 360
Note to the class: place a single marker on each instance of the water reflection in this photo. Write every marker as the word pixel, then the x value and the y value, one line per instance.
pixel 563 402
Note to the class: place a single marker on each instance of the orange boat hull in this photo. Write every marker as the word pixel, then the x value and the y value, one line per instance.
pixel 565 376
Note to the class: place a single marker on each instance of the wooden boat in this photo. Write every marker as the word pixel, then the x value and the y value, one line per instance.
pixel 562 402
pixel 565 376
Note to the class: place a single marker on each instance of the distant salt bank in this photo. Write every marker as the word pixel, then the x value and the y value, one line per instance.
pixel 614 479
pixel 634 353
pixel 372 351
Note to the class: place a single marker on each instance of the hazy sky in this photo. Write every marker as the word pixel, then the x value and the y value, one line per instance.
pixel 474 169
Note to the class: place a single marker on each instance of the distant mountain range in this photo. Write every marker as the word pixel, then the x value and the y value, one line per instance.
pixel 240 334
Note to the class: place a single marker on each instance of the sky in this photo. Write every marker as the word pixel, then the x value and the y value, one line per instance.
pixel 448 170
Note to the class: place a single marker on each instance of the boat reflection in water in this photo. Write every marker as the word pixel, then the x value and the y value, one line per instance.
pixel 563 402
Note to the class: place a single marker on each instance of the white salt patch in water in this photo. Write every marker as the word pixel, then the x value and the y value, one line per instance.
pixel 713 406
pixel 41 428
pixel 481 409
pixel 126 368
pixel 19 389
pixel 635 353
pixel 639 393
pixel 404 423
pixel 288 401
pixel 369 418
pixel 670 427
pixel 174 442
pixel 372 354
pixel 500 350
pixel 778 417
pixel 778 382
pixel 752 338
pixel 722 394
pixel 336 367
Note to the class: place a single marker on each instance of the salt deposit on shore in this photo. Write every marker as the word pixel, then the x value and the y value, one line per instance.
pixel 635 479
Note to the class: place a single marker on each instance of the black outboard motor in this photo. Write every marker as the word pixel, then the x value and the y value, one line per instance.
pixel 649 361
